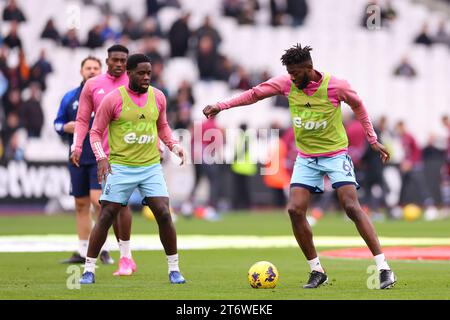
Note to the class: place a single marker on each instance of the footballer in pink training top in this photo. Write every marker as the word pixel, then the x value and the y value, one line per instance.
pixel 315 103
pixel 91 97
pixel 135 116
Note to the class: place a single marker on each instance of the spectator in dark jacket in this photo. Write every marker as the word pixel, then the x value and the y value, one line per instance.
pixel 232 8
pixel 95 39
pixel 31 114
pixel 414 188
pixel 40 70
pixel 424 37
pixel 405 69
pixel 434 162
pixel 13 13
pixel 179 35
pixel 446 122
pixel 298 9
pixel 71 40
pixel 277 12
pixel 12 101
pixel 131 28
pixel 10 138
pixel 208 29
pixel 152 7
pixel 207 59
pixel 50 32
pixel 12 40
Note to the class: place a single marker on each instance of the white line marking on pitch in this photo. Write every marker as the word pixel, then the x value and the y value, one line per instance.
pixel 57 243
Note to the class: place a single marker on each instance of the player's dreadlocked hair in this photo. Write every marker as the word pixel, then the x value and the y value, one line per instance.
pixel 296 55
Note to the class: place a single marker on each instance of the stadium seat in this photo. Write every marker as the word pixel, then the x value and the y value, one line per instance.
pixel 348 52
pixel 177 70
pixel 166 17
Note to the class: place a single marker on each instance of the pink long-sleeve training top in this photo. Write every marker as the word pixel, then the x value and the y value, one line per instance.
pixel 110 109
pixel 94 91
pixel 338 90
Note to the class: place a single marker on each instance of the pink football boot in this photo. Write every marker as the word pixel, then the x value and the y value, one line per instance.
pixel 133 265
pixel 125 267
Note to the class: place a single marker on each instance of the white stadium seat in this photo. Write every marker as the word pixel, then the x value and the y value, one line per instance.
pixel 366 59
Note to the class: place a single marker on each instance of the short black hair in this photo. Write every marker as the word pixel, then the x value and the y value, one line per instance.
pixel 91 58
pixel 135 59
pixel 118 48
pixel 296 55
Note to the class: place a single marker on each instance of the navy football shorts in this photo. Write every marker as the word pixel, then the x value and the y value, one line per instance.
pixel 83 179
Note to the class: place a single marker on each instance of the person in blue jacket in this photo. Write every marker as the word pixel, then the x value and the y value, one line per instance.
pixel 84 185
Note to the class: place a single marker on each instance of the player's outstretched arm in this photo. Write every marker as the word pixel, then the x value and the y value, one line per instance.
pixel 211 111
pixel 384 153
pixel 279 85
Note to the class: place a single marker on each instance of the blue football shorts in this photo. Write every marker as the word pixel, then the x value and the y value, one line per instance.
pixel 309 172
pixel 124 179
pixel 83 179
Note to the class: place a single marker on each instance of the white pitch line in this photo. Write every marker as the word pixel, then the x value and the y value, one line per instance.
pixel 396 260
pixel 58 243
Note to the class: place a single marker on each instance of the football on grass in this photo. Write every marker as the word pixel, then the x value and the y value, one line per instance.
pixel 263 275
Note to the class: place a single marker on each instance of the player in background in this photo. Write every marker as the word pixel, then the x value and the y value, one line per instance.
pixel 135 116
pixel 92 95
pixel 314 100
pixel 84 185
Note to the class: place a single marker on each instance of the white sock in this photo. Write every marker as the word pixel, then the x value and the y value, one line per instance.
pixel 89 266
pixel 172 261
pixel 83 247
pixel 125 250
pixel 315 265
pixel 381 262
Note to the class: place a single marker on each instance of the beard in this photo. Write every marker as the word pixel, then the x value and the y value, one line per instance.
pixel 304 82
pixel 137 88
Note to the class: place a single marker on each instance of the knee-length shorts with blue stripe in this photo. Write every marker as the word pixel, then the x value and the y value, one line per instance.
pixel 309 172
pixel 124 179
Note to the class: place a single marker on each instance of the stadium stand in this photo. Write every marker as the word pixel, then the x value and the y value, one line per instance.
pixel 341 46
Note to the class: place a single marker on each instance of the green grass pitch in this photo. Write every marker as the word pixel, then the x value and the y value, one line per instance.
pixel 221 274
